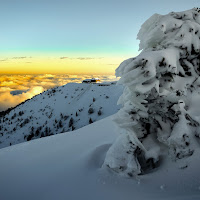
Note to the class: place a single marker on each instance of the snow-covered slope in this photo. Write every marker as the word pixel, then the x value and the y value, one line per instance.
pixel 59 110
pixel 68 166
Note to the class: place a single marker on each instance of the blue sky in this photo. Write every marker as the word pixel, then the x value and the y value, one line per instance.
pixel 75 26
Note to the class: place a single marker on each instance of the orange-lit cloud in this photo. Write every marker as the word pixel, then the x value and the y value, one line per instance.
pixel 15 89
pixel 8 100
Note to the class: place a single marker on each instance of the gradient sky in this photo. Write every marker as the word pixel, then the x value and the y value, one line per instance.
pixel 93 36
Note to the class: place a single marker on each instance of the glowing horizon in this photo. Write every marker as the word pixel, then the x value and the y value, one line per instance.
pixel 15 89
pixel 59 63
pixel 69 38
pixel 49 29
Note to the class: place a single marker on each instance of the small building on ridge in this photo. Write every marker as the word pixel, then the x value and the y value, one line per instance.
pixel 93 80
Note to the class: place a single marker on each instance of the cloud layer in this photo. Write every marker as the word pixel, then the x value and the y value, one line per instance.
pixel 15 89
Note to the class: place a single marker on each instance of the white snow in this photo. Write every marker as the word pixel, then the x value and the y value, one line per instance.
pixel 50 112
pixel 159 115
pixel 69 166
pixel 157 149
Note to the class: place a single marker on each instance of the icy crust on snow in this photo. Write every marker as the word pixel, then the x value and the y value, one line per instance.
pixel 160 112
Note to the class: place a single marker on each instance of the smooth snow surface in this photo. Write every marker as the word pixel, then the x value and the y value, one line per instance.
pixel 68 166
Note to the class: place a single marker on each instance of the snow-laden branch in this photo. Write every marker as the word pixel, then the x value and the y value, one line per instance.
pixel 160 113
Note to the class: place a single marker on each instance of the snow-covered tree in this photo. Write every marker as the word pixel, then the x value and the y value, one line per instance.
pixel 160 112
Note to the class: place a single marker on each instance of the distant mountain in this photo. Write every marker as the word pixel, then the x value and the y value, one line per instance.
pixel 59 110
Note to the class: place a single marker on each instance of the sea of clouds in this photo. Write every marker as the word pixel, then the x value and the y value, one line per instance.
pixel 15 89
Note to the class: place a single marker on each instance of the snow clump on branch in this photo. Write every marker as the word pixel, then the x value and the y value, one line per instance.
pixel 161 113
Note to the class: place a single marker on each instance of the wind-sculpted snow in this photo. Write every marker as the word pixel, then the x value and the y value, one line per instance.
pixel 160 113
pixel 68 166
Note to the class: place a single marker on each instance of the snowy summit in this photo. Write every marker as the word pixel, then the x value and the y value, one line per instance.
pixel 59 110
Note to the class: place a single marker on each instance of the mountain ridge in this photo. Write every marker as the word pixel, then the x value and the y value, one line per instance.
pixel 58 110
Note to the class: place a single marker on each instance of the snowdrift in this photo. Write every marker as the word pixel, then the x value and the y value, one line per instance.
pixel 69 166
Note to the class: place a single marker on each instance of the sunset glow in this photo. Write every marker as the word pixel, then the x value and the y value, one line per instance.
pixel 62 39
pixel 15 89
pixel 59 65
